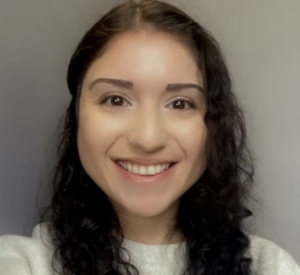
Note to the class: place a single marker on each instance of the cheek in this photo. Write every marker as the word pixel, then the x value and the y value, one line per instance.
pixel 96 133
pixel 192 137
pixel 196 151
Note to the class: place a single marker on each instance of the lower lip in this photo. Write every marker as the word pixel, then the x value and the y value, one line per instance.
pixel 148 179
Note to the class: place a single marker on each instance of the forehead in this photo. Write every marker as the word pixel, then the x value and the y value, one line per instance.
pixel 146 58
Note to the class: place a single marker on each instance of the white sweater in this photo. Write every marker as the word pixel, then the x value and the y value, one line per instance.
pixel 33 256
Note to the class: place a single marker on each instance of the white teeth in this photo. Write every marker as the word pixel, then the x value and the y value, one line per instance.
pixel 135 169
pixel 142 170
pixel 152 170
pixel 160 168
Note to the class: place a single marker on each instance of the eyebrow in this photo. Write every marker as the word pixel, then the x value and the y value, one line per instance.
pixel 129 85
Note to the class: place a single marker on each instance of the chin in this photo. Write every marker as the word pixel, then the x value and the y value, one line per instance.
pixel 147 210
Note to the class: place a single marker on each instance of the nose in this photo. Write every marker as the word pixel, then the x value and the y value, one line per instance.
pixel 148 132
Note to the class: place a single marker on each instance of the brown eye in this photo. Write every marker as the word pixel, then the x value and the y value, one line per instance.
pixel 115 101
pixel 182 104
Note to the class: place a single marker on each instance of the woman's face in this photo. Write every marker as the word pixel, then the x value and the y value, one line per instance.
pixel 136 111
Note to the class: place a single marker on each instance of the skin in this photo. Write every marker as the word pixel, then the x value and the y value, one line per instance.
pixel 148 114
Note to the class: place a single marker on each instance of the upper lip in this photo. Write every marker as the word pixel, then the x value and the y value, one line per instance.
pixel 145 161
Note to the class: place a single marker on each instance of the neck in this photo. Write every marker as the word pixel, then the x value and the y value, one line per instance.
pixel 153 230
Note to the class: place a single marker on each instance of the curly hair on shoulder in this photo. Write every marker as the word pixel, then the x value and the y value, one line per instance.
pixel 211 212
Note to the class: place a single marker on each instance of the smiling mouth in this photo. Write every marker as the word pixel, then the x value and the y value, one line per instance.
pixel 149 170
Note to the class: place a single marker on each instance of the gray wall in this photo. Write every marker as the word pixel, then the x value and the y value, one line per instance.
pixel 261 41
pixel 37 38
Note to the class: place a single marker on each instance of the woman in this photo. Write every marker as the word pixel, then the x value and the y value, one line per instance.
pixel 154 170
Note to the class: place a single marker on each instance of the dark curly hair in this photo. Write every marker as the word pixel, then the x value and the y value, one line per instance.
pixel 83 221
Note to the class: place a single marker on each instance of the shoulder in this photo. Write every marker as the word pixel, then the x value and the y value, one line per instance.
pixel 270 259
pixel 27 255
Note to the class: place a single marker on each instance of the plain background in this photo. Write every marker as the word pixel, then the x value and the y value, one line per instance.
pixel 261 42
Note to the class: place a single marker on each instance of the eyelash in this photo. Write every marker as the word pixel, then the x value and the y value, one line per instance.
pixel 104 100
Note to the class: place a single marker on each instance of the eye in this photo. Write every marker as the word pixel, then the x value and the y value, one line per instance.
pixel 115 100
pixel 182 104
